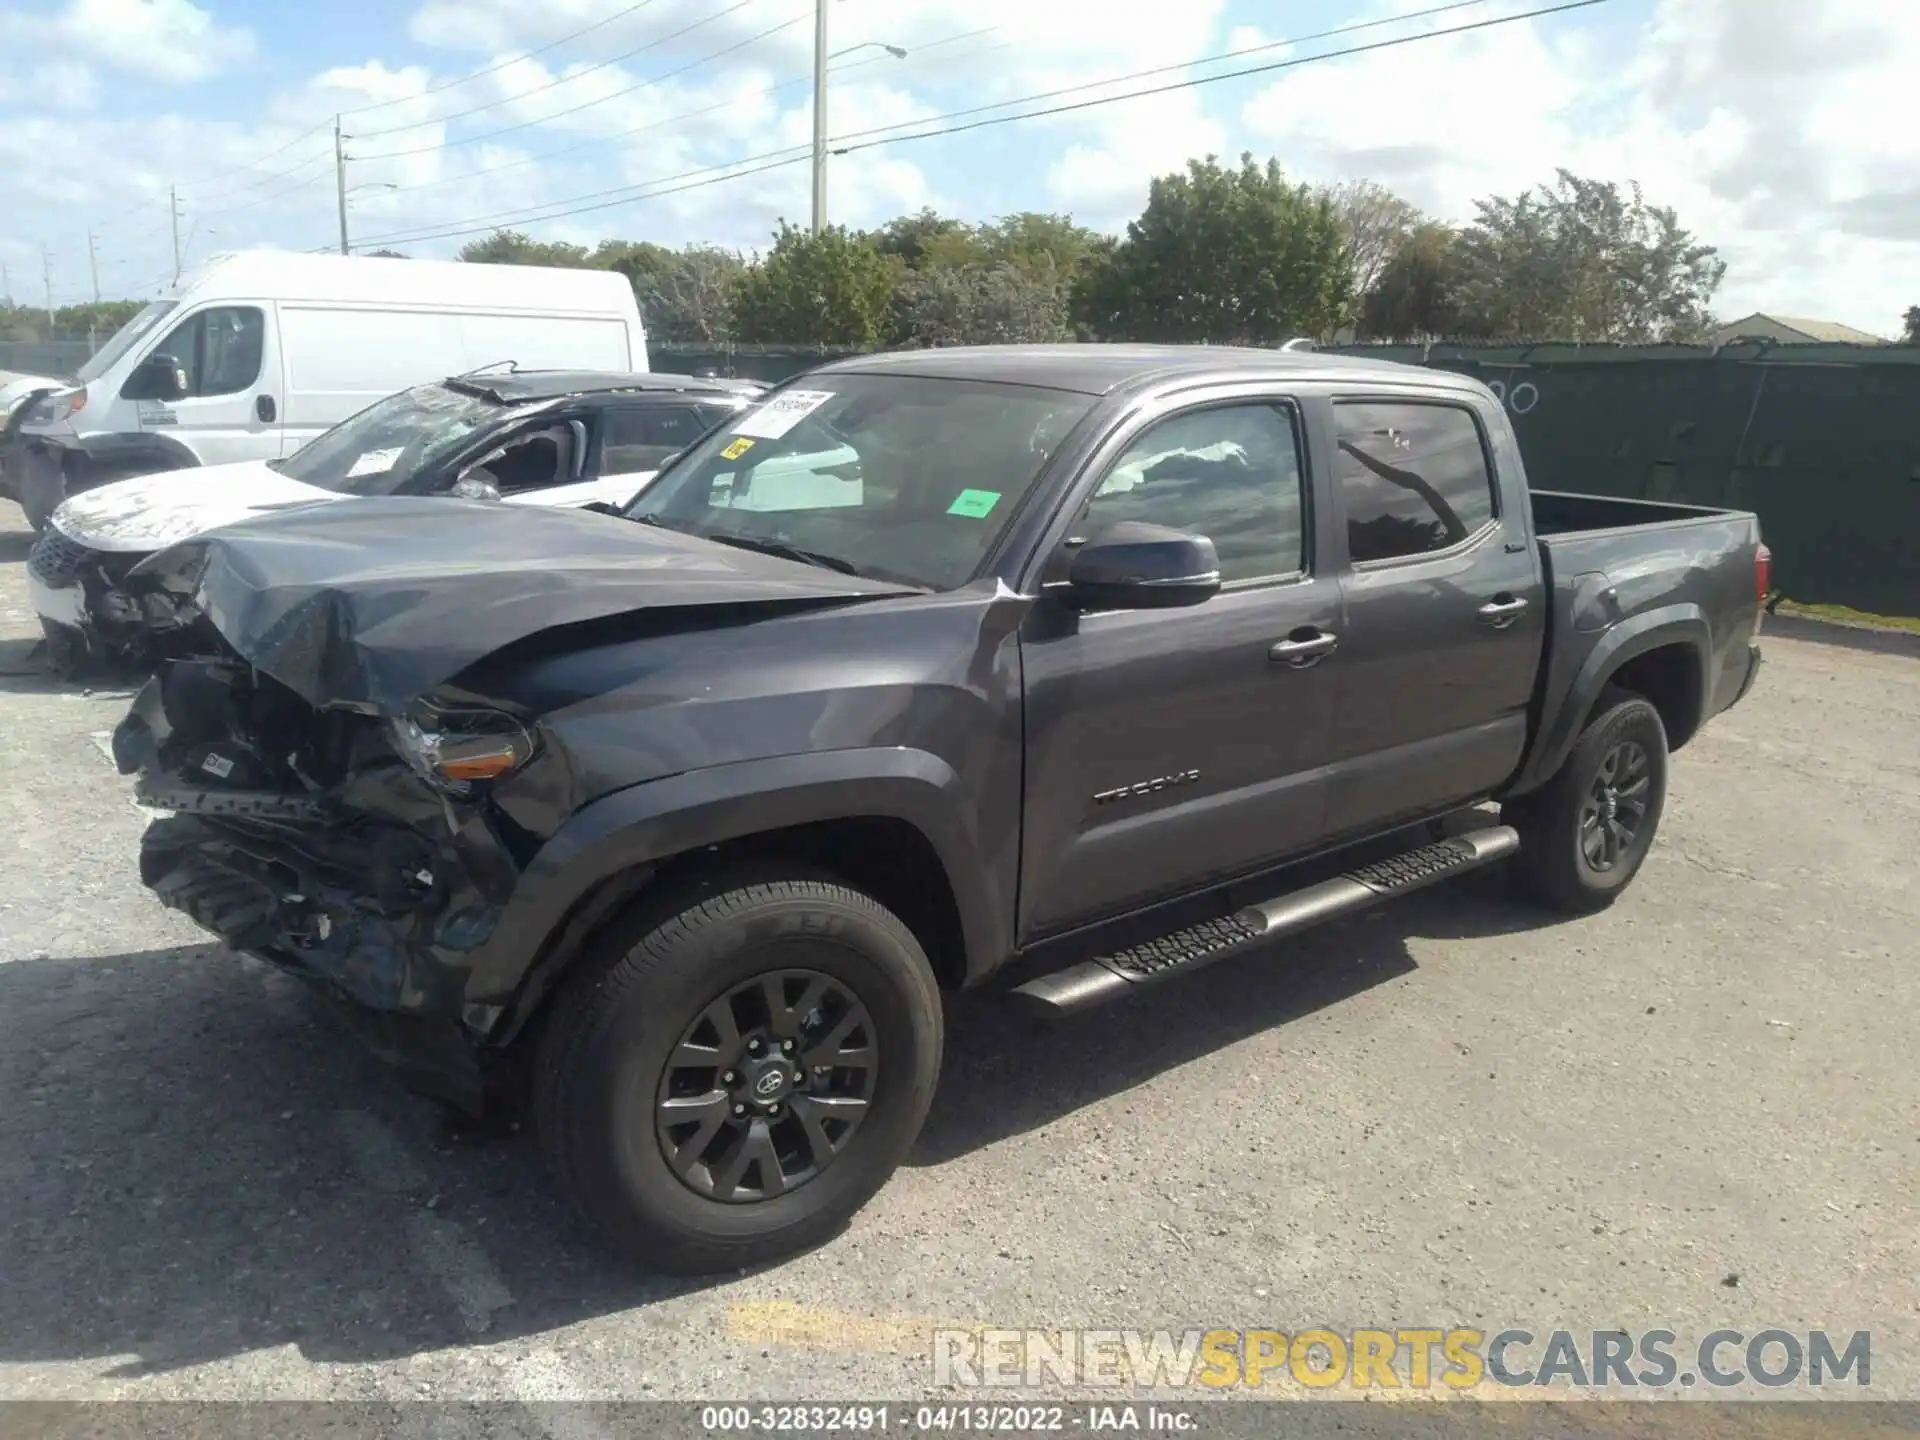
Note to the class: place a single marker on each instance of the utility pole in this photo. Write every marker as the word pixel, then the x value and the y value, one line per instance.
pixel 46 271
pixel 340 180
pixel 6 284
pixel 173 208
pixel 819 115
pixel 93 266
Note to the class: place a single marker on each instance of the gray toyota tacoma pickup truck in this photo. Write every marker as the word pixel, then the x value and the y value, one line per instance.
pixel 1069 669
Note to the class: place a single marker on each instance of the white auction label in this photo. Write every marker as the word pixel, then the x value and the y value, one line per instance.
pixel 780 414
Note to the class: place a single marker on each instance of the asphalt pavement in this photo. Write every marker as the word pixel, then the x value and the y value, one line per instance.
pixel 1700 1110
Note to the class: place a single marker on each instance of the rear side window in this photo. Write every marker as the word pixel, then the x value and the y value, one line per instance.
pixel 1413 478
pixel 640 437
pixel 220 348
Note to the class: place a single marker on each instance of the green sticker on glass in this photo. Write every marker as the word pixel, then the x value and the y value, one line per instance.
pixel 974 504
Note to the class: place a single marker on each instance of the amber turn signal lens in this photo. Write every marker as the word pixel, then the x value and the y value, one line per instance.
pixel 479 760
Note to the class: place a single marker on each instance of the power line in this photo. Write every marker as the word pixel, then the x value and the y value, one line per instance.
pixel 790 155
pixel 484 223
pixel 1212 79
pixel 665 120
pixel 1339 30
pixel 803 154
pixel 560 80
pixel 502 64
pixel 587 105
pixel 386 104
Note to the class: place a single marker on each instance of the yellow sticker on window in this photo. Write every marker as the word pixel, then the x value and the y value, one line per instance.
pixel 737 448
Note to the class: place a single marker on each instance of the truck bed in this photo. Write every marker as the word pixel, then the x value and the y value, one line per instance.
pixel 1617 569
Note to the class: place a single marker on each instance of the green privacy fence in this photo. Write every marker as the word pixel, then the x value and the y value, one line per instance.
pixel 1821 441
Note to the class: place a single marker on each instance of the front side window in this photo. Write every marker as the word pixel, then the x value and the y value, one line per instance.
pixel 1413 478
pixel 220 348
pixel 904 477
pixel 387 446
pixel 1231 473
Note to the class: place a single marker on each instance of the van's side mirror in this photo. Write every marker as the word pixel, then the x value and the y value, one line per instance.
pixel 1136 566
pixel 158 377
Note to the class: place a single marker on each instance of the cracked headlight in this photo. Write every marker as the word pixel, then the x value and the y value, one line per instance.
pixel 452 750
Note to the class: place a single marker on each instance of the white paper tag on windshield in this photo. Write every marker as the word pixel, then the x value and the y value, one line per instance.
pixel 781 414
pixel 376 462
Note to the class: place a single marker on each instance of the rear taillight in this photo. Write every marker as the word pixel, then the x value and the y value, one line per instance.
pixel 1762 582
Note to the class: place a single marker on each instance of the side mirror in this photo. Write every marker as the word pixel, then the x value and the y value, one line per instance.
pixel 1136 566
pixel 473 487
pixel 158 377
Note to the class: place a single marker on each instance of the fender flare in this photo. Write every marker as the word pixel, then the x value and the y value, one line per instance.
pixel 1684 624
pixel 634 827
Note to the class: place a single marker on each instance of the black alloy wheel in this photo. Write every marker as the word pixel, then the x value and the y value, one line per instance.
pixel 1586 831
pixel 1616 805
pixel 767 1086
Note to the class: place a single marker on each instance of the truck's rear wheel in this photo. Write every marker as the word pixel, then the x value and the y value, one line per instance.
pixel 1584 834
pixel 738 1070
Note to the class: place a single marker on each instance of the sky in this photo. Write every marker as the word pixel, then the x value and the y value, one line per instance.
pixel 1785 133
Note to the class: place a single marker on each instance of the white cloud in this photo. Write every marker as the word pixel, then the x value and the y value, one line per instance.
pixel 1772 127
pixel 1768 125
pixel 172 41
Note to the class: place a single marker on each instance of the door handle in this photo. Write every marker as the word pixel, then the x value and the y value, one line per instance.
pixel 263 407
pixel 1502 611
pixel 1308 649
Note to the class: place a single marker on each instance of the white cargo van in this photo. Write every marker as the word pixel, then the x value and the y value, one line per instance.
pixel 253 354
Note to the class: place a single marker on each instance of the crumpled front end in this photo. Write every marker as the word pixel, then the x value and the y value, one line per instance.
pixel 309 839
pixel 85 607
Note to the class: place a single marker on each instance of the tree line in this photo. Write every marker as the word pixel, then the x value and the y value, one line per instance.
pixel 1222 253
pixel 1228 254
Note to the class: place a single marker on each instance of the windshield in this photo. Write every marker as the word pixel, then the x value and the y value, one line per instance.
pixel 900 477
pixel 104 359
pixel 384 447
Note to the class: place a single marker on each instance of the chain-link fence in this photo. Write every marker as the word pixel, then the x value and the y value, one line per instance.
pixel 45 357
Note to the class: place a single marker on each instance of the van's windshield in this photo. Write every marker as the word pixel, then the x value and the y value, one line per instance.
pixel 386 445
pixel 108 355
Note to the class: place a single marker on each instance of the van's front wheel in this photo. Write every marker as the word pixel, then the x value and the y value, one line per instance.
pixel 739 1069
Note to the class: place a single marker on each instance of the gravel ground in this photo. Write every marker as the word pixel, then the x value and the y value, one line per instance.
pixel 1695 1111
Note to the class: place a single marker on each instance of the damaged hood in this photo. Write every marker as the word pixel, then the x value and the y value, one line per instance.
pixel 151 512
pixel 376 601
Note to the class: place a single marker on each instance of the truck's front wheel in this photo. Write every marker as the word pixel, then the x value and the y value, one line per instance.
pixel 739 1069
pixel 1584 834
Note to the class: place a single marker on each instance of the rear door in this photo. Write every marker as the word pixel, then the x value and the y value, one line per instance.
pixel 231 410
pixel 1444 611
pixel 1167 749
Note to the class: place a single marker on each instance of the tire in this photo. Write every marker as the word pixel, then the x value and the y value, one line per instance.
pixel 614 1050
pixel 1557 863
pixel 43 485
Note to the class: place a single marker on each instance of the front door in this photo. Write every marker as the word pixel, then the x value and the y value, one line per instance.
pixel 1170 748
pixel 1444 615
pixel 231 410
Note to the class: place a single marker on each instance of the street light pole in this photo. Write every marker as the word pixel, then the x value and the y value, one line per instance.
pixel 819 115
